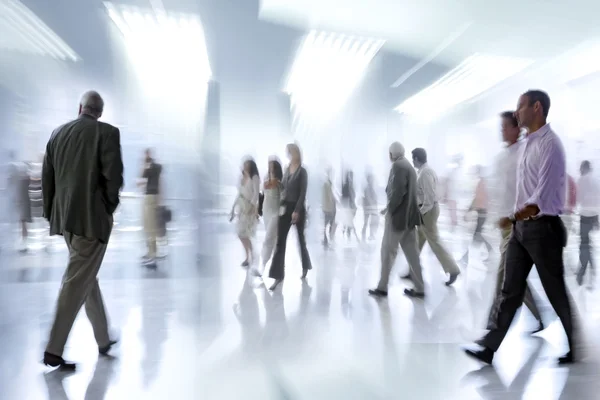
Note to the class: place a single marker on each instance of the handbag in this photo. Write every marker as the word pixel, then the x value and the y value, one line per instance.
pixel 164 213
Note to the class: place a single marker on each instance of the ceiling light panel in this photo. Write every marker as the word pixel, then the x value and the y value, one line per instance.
pixel 475 75
pixel 160 35
pixel 22 30
pixel 327 68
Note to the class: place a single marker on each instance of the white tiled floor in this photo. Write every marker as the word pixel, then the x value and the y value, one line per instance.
pixel 205 331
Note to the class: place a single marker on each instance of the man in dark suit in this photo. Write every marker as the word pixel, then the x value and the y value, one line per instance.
pixel 402 216
pixel 81 179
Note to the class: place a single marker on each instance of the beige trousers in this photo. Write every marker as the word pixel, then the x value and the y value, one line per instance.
pixel 407 239
pixel 528 299
pixel 428 232
pixel 80 286
pixel 150 223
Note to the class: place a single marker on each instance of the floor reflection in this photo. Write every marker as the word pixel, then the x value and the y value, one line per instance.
pixel 198 326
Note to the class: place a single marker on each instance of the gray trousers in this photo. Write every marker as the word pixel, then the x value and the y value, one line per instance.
pixel 407 239
pixel 80 286
pixel 151 223
pixel 528 300
pixel 428 232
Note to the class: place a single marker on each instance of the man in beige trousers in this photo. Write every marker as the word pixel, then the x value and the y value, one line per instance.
pixel 427 181
pixel 402 218
pixel 152 183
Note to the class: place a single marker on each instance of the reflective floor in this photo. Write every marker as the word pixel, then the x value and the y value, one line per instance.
pixel 197 327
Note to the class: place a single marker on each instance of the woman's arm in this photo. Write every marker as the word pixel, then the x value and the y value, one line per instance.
pixel 303 177
pixel 255 190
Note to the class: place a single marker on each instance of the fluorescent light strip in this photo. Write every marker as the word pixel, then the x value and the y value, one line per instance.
pixel 36 37
pixel 146 29
pixel 472 77
pixel 327 68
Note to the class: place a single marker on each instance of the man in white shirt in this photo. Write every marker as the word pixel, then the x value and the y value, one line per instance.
pixel 589 196
pixel 503 202
pixel 427 196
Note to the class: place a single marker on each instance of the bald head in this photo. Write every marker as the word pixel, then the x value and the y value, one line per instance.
pixel 91 104
pixel 396 151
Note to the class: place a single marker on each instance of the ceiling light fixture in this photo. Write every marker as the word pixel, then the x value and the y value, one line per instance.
pixel 22 30
pixel 168 42
pixel 327 68
pixel 475 75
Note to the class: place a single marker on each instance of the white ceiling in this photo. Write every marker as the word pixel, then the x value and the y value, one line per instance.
pixel 534 29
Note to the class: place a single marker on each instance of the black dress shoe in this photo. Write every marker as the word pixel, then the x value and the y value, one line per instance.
pixel 407 277
pixel 485 355
pixel 52 360
pixel 566 359
pixel 452 279
pixel 275 284
pixel 377 293
pixel 105 349
pixel 304 273
pixel 245 263
pixel 413 293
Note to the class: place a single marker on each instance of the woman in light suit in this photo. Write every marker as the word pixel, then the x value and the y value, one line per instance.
pixel 272 192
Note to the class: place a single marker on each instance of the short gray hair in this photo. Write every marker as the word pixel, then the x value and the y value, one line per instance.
pixel 396 150
pixel 91 102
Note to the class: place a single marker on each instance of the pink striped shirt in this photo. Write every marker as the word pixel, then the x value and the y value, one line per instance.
pixel 542 175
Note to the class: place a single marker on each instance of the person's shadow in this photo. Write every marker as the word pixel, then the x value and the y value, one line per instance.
pixel 97 387
pixel 493 388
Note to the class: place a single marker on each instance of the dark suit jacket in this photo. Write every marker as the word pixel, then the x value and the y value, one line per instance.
pixel 401 193
pixel 81 178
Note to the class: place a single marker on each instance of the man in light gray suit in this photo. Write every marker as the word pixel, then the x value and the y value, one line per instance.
pixel 81 179
pixel 402 217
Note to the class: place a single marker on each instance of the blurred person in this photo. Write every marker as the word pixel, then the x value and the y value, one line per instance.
pixel 505 188
pixel 480 205
pixel 369 202
pixel 81 179
pixel 539 234
pixel 568 216
pixel 329 206
pixel 151 179
pixel 18 189
pixel 427 197
pixel 402 217
pixel 348 203
pixel 272 192
pixel 450 197
pixel 589 201
pixel 291 212
pixel 246 204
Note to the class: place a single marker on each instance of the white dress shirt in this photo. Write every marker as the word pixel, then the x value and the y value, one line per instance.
pixel 588 195
pixel 427 188
pixel 504 181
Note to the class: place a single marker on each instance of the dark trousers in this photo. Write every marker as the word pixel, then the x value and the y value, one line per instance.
pixel 586 226
pixel 477 235
pixel 538 242
pixel 277 270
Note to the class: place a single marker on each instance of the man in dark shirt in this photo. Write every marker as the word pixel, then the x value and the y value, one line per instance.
pixel 151 176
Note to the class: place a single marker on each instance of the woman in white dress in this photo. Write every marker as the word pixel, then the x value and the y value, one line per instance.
pixel 246 205
pixel 271 204
pixel 348 203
